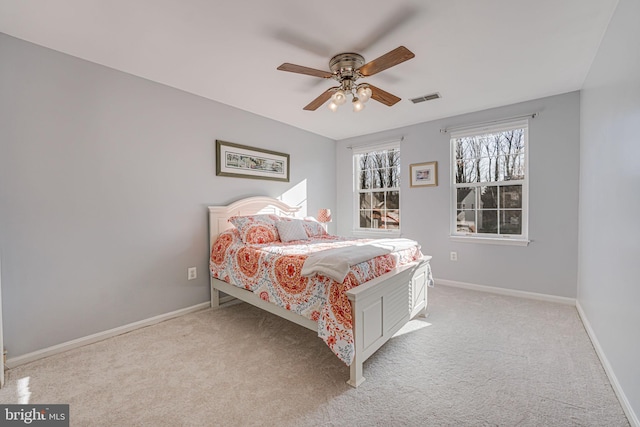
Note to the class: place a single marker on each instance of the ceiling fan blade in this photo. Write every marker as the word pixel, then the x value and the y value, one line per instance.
pixel 324 97
pixel 293 68
pixel 383 96
pixel 388 60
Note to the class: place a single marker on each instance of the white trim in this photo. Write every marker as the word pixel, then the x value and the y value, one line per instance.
pixel 508 292
pixel 622 398
pixel 100 336
pixel 458 129
pixel 367 147
pixel 490 240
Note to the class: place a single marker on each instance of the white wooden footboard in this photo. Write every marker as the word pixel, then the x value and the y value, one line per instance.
pixel 382 306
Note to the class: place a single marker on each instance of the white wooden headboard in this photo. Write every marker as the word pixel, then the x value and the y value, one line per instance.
pixel 219 215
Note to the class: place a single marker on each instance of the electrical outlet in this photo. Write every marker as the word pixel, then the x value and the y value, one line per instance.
pixel 453 256
pixel 191 273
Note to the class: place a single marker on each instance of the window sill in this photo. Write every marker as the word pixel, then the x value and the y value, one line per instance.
pixel 376 234
pixel 490 240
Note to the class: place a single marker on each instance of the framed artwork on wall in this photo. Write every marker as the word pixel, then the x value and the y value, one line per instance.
pixel 248 162
pixel 424 174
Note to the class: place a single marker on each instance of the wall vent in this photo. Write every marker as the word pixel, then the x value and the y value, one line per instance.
pixel 426 98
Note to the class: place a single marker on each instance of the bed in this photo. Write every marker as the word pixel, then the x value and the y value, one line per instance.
pixel 379 307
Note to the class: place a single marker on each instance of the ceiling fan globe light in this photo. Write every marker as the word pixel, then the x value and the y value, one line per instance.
pixel 364 93
pixel 333 106
pixel 339 97
pixel 357 105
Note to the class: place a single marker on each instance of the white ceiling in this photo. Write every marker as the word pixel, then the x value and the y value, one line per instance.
pixel 477 54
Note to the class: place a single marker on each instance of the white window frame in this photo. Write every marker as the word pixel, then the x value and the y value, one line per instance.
pixel 499 239
pixel 368 148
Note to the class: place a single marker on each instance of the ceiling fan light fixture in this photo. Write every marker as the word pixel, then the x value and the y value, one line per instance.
pixel 346 68
pixel 339 97
pixel 364 93
pixel 357 104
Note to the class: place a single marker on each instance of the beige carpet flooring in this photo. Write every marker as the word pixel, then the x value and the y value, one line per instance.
pixel 478 359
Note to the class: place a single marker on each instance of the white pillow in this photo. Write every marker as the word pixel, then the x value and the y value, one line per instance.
pixel 291 230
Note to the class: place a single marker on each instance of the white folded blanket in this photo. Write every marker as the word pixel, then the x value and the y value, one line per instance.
pixel 335 263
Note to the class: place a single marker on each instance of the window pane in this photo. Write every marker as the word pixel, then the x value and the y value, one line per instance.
pixel 470 171
pixel 511 222
pixel 459 171
pixel 511 167
pixel 376 217
pixel 377 201
pixel 489 197
pixel 488 221
pixel 492 173
pixel 378 213
pixel 466 198
pixel 483 166
pixel 392 220
pixel 393 200
pixel 365 200
pixel 365 161
pixel 466 221
pixel 365 219
pixel 363 181
pixel 392 178
pixel 511 196
pixel 517 166
pixel 382 177
pixel 466 146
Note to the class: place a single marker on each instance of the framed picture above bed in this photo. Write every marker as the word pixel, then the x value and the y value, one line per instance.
pixel 243 161
pixel 424 174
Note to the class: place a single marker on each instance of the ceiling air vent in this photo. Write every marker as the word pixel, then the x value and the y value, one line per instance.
pixel 426 98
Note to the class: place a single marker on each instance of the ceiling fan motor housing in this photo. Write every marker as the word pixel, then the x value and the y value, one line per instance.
pixel 344 65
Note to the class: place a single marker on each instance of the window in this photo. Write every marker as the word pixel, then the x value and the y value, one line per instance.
pixel 377 187
pixel 489 174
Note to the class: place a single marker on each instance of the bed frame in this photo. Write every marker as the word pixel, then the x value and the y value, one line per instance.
pixel 380 307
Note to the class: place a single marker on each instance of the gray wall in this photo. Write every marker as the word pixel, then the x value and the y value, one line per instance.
pixel 104 182
pixel 609 270
pixel 549 264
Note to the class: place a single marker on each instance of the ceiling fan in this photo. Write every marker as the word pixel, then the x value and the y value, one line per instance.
pixel 346 68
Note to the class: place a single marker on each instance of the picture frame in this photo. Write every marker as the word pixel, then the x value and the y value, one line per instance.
pixel 242 161
pixel 424 174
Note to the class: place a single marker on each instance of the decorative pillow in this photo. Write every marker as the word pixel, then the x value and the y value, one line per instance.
pixel 310 224
pixel 291 230
pixel 222 243
pixel 256 228
pixel 313 227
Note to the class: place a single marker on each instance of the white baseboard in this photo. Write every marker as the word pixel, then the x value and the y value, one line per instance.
pixel 622 398
pixel 79 342
pixel 509 292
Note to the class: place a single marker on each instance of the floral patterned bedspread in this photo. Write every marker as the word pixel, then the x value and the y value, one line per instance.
pixel 273 270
